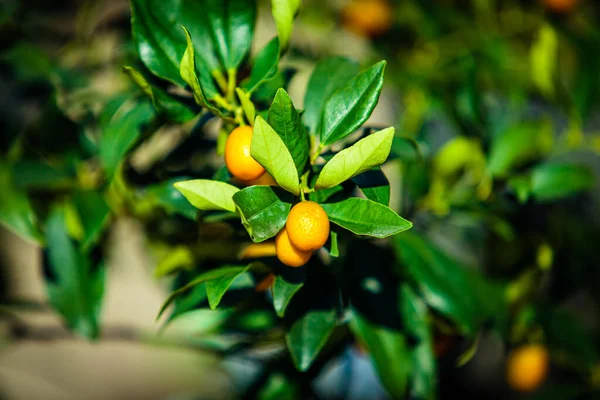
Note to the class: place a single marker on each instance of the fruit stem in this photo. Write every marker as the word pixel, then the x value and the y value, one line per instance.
pixel 304 186
pixel 221 102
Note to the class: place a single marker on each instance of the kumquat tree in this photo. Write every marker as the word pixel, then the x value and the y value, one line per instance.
pixel 348 199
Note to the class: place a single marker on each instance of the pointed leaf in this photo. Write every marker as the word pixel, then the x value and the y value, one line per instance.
pixel 367 153
pixel 93 213
pixel 414 315
pixel 366 217
pixel 389 353
pixel 349 107
pixel 121 132
pixel 231 25
pixel 264 66
pixel 307 336
pixel 205 194
pixel 200 279
pixel 285 120
pixel 328 76
pixel 16 212
pixel 283 292
pixel 269 149
pixel 247 105
pixel 77 285
pixel 555 181
pixel 264 210
pixel 187 69
pixel 374 185
pixel 284 12
pixel 216 288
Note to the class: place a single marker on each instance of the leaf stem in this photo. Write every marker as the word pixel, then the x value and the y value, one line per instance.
pixel 220 78
pixel 317 153
pixel 231 82
pixel 221 102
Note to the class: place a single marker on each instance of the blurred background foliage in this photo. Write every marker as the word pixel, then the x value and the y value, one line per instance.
pixel 496 107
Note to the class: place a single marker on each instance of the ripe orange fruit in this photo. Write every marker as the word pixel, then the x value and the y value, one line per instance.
pixel 560 6
pixel 308 226
pixel 287 253
pixel 368 17
pixel 258 250
pixel 265 284
pixel 237 155
pixel 527 367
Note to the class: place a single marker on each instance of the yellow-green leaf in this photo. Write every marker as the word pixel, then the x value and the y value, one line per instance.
pixel 205 194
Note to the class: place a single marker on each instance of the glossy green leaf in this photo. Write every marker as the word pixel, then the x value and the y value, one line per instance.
pixel 171 199
pixel 163 103
pixel 307 336
pixel 93 214
pixel 366 217
pixel 350 106
pixel 374 185
pixel 284 12
pixel 16 212
pixel 216 288
pixel 158 38
pixel 284 290
pixel 328 76
pixel 122 131
pixel 247 105
pixel 424 372
pixel 458 293
pixel 231 25
pixel 264 66
pixel 187 70
pixel 188 301
pixel 205 194
pixel 76 292
pixel 263 209
pixel 200 279
pixel 389 353
pixel 518 145
pixel 555 181
pixel 269 149
pixel 178 257
pixel 365 154
pixel 285 120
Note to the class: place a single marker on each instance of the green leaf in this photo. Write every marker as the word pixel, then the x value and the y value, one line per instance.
pixel 263 209
pixel 285 120
pixel 374 185
pixel 178 257
pixel 121 133
pixel 216 288
pixel 329 75
pixel 200 279
pixel 284 290
pixel 367 153
pixel 555 181
pixel 264 66
pixel 543 57
pixel 366 217
pixel 173 201
pixel 41 174
pixel 284 12
pixel 188 301
pixel 247 105
pixel 278 387
pixel 77 290
pixel 163 103
pixel 518 145
pixel 156 37
pixel 389 353
pixel 269 149
pixel 187 70
pixel 205 194
pixel 307 336
pixel 424 372
pixel 349 107
pixel 16 212
pixel 93 214
pixel 460 294
pixel 231 25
